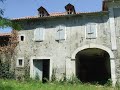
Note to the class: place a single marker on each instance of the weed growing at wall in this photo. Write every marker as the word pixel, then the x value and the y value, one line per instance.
pixel 73 80
pixel 5 73
pixel 53 78
pixel 117 85
pixel 11 43
pixel 6 51
pixel 109 82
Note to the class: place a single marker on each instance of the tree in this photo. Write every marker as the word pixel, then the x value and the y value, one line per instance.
pixel 4 22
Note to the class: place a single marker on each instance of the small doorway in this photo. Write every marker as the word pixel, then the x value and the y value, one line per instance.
pixel 41 69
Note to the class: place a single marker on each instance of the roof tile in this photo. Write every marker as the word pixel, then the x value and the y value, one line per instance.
pixel 57 14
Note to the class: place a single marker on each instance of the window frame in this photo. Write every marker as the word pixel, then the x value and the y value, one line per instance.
pixel 20 37
pixel 17 62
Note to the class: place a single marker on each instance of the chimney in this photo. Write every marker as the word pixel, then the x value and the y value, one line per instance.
pixel 70 9
pixel 42 12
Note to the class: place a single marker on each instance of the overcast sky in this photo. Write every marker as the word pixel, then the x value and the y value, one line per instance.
pixel 22 8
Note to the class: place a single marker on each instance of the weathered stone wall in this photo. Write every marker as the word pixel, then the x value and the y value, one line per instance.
pixel 117 27
pixel 60 52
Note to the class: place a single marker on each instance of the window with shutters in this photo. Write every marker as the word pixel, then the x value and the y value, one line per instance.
pixel 91 31
pixel 38 34
pixel 60 34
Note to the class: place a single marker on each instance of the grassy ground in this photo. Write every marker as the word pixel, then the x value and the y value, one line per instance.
pixel 34 85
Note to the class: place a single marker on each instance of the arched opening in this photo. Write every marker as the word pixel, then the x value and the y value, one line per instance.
pixel 93 65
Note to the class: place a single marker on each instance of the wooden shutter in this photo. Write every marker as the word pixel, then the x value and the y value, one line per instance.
pixel 88 31
pixel 36 34
pixel 93 30
pixel 39 34
pixel 60 34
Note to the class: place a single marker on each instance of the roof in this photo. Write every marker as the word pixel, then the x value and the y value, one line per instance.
pixel 63 14
pixel 4 34
pixel 58 14
pixel 69 5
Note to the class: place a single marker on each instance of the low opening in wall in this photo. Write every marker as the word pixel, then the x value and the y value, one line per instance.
pixel 41 69
pixel 22 38
pixel 93 65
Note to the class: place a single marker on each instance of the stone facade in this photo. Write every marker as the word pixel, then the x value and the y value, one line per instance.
pixel 61 51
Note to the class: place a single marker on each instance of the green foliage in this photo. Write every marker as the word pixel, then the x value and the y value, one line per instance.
pixel 74 80
pixel 45 80
pixel 109 83
pixel 117 85
pixel 4 71
pixel 4 22
pixel 27 75
pixel 53 78
pixel 16 26
pixel 34 85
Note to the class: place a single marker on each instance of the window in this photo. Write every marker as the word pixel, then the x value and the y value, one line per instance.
pixel 22 38
pixel 20 62
pixel 69 11
pixel 42 14
pixel 91 31
pixel 38 34
pixel 60 34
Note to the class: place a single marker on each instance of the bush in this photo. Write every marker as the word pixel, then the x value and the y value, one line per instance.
pixel 5 73
pixel 117 85
pixel 109 82
pixel 73 80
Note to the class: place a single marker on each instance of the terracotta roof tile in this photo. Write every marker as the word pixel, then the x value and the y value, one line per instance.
pixel 57 15
pixel 5 34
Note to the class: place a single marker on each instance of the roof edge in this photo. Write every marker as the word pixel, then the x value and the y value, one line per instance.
pixel 59 15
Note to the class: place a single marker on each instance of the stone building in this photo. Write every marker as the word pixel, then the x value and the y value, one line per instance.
pixel 86 45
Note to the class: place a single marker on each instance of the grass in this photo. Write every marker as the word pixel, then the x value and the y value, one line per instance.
pixel 35 85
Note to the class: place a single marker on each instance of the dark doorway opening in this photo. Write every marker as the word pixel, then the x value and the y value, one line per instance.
pixel 93 65
pixel 46 65
pixel 41 69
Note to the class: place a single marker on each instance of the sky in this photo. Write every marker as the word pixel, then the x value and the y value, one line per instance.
pixel 23 8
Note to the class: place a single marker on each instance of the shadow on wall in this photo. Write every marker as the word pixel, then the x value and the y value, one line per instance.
pixel 68 21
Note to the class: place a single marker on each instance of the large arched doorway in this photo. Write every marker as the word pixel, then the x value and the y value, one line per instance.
pixel 98 47
pixel 93 65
